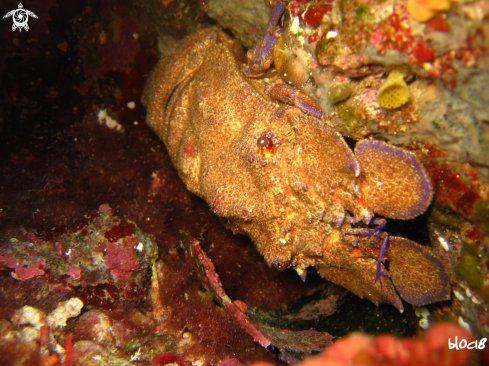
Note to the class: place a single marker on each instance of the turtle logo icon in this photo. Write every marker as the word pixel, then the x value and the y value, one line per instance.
pixel 20 17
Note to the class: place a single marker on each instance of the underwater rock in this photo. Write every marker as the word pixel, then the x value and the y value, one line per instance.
pixel 246 19
pixel 101 259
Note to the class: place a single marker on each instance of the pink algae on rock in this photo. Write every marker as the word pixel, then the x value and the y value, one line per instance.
pixel 169 358
pixel 23 270
pixel 93 259
pixel 121 259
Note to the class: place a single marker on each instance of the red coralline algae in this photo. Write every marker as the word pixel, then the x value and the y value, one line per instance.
pixel 165 358
pixel 120 230
pixel 32 237
pixel 451 189
pixel 454 193
pixel 69 351
pixel 395 34
pixel 439 23
pixel 81 260
pixel 315 36
pixel 377 37
pixel 23 270
pixel 315 13
pixel 295 6
pixel 422 53
pixel 228 361
pixel 473 233
pixel 121 259
pixel 75 273
pixel 310 13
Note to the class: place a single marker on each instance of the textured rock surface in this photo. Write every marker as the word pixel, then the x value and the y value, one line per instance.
pixel 246 19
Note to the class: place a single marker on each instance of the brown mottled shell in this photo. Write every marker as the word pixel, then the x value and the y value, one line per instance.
pixel 283 177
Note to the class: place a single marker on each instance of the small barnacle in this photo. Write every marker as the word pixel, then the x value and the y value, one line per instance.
pixel 295 28
pixel 422 312
pixel 463 323
pixel 288 65
pixel 293 72
pixel 394 92
pixel 458 295
pixel 424 323
pixel 444 243
pixel 476 300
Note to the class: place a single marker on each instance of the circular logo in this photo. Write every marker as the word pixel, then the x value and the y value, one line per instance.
pixel 20 17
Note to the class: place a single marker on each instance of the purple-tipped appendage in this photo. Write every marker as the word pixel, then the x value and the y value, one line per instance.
pixel 419 276
pixel 262 54
pixel 288 94
pixel 308 107
pixel 393 180
pixel 378 278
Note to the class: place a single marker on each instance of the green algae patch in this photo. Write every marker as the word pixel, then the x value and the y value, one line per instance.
pixel 339 92
pixel 361 11
pixel 469 266
pixel 351 116
pixel 481 214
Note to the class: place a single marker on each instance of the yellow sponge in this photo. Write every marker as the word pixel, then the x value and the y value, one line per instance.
pixel 424 10
pixel 394 92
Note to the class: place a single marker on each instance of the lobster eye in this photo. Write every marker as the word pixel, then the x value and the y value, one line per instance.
pixel 264 142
